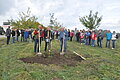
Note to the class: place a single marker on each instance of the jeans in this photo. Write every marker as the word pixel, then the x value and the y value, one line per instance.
pixel 8 39
pixel 63 45
pixel 17 38
pixel 36 46
pixel 93 43
pixel 99 43
pixel 113 43
pixel 86 41
pixel 13 39
pixel 108 44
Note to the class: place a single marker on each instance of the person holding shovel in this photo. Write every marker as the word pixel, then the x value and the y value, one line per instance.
pixel 36 41
pixel 48 38
pixel 63 37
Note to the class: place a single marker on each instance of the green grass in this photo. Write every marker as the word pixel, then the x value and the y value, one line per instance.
pixel 101 64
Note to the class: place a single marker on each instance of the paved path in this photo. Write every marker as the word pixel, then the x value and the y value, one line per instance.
pixel 2 36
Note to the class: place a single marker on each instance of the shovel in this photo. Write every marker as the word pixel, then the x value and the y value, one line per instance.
pixel 79 55
pixel 62 53
pixel 39 53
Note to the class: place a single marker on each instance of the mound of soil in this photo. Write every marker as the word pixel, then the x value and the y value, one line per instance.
pixel 57 59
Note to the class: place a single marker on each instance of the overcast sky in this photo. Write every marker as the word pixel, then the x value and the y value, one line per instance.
pixel 67 11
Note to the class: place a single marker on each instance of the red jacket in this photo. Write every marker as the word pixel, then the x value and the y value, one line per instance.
pixel 42 34
pixel 35 32
pixel 93 36
pixel 71 34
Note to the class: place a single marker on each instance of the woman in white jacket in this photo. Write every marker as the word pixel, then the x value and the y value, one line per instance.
pixel 113 39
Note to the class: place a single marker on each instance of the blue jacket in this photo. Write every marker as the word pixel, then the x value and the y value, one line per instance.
pixel 26 34
pixel 63 34
pixel 87 33
pixel 108 36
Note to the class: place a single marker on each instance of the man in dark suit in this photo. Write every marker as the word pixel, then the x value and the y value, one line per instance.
pixel 48 38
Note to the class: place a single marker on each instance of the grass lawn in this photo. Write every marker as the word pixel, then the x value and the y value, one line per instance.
pixel 101 64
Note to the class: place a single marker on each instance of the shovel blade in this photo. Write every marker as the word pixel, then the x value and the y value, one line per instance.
pixel 62 53
pixel 39 54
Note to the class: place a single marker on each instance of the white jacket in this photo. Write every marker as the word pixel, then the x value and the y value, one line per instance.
pixel 114 36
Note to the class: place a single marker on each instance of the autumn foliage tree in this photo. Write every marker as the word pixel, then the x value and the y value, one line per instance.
pixel 25 20
pixel 92 21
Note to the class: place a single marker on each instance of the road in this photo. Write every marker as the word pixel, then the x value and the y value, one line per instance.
pixel 2 36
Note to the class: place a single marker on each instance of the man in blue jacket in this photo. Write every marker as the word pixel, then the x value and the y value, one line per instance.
pixel 108 38
pixel 63 37
pixel 87 35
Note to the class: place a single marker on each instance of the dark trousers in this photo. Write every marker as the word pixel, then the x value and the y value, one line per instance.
pixel 99 43
pixel 53 37
pixel 8 39
pixel 56 36
pixel 113 43
pixel 89 40
pixel 108 44
pixel 36 45
pixel 77 38
pixel 47 44
pixel 22 38
pixel 71 38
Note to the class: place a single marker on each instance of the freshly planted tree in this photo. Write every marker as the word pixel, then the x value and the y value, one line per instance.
pixel 54 24
pixel 92 21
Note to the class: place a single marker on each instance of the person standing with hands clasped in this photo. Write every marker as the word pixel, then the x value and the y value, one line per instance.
pixel 108 38
pixel 114 35
pixel 93 38
pixel 63 40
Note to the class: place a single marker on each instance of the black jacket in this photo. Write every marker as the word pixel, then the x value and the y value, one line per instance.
pixel 13 33
pixel 46 34
pixel 18 33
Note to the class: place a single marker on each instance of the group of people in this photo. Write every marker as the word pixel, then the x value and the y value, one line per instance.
pixel 38 35
pixel 90 37
pixel 63 35
pixel 47 36
pixel 18 35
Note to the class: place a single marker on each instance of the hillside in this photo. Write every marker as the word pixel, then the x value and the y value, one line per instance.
pixel 100 64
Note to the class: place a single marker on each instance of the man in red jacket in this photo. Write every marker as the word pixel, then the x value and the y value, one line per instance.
pixel 93 38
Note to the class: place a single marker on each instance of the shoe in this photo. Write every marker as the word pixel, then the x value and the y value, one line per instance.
pixel 112 48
